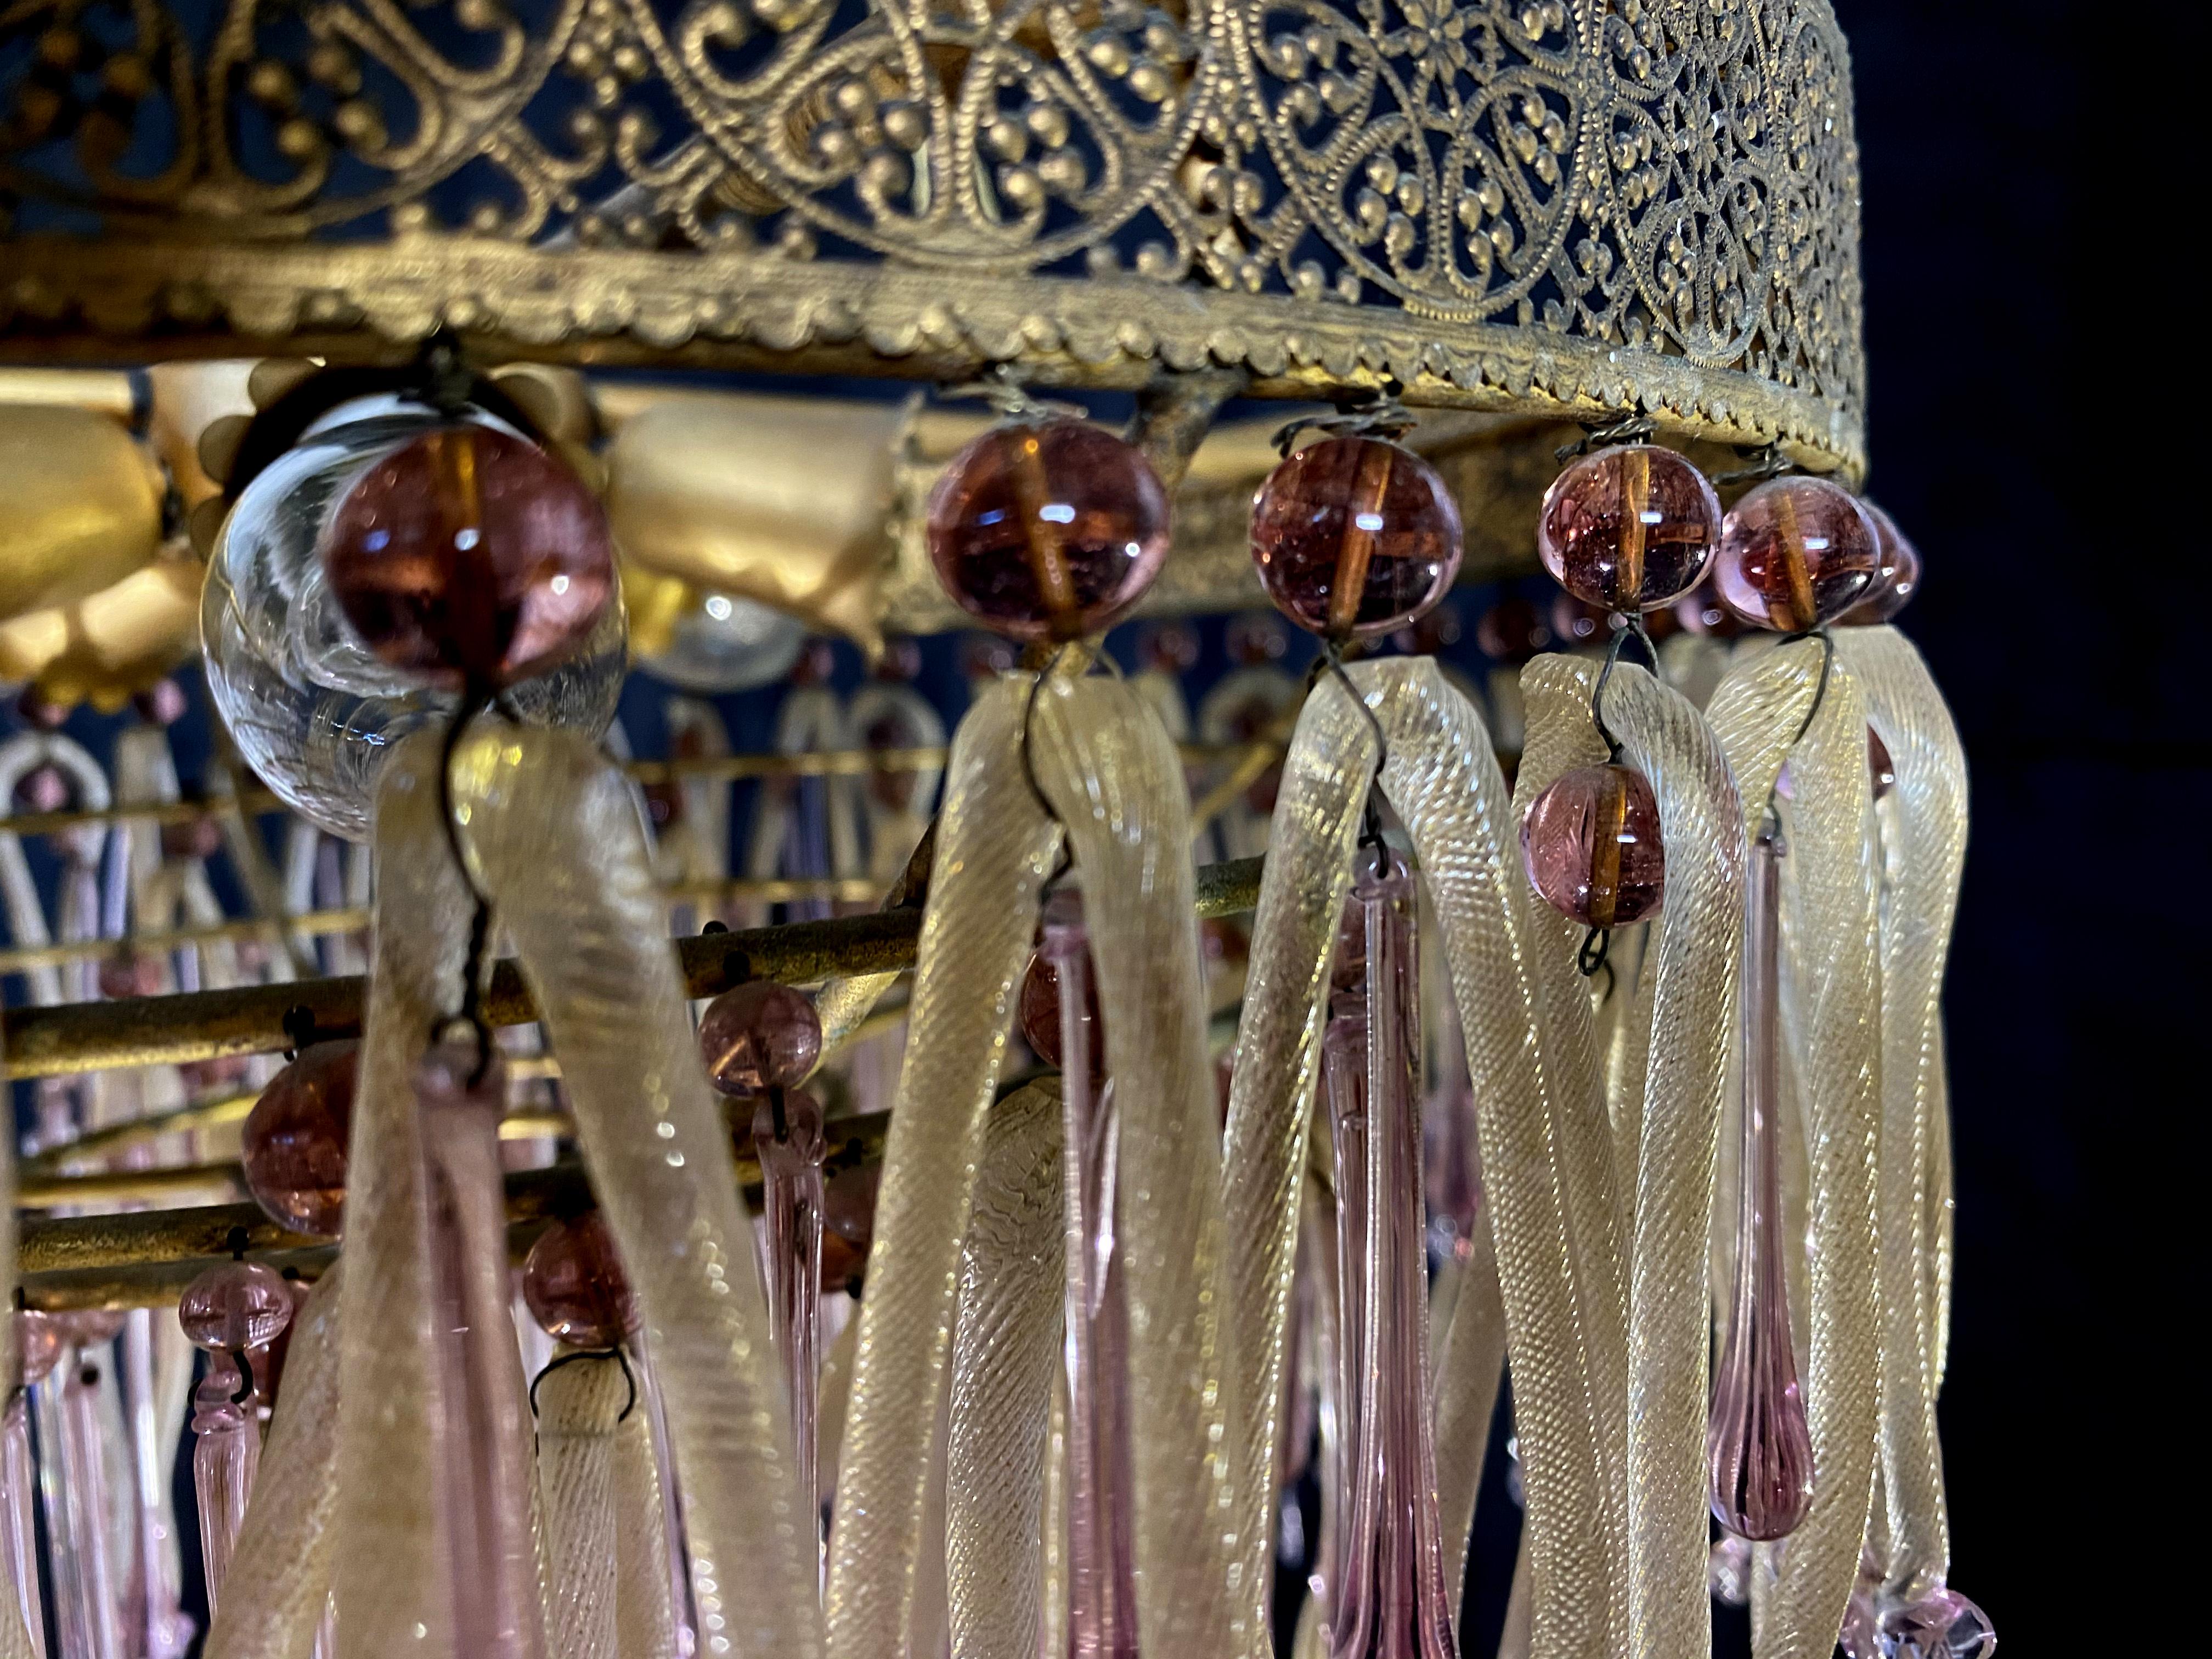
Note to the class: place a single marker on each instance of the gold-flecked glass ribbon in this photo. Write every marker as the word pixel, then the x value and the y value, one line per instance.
pixel 1923 822
pixel 995 845
pixel 579 1402
pixel 392 1578
pixel 1830 996
pixel 279 1583
pixel 554 838
pixel 1005 1351
pixel 1666 1113
pixel 1545 1147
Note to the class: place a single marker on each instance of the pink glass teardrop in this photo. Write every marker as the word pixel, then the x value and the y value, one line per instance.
pixel 1757 1442
pixel 1939 1625
pixel 787 1136
pixel 1390 1599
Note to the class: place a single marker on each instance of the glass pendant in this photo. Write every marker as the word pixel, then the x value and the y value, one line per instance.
pixel 231 1313
pixel 77 1494
pixel 787 1136
pixel 1391 1600
pixel 1756 1440
pixel 38 1349
pixel 1102 1608
pixel 485 1463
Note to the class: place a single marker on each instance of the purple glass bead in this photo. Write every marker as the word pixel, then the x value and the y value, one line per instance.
pixel 1511 631
pixel 1795 553
pixel 1591 846
pixel 574 1284
pixel 293 1145
pixel 759 1036
pixel 1048 530
pixel 238 1304
pixel 1940 1625
pixel 469 556
pixel 1039 1013
pixel 1355 537
pixel 1629 528
pixel 1897 578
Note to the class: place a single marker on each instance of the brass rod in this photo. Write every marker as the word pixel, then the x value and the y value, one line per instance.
pixel 203 1182
pixel 79 1259
pixel 251 1019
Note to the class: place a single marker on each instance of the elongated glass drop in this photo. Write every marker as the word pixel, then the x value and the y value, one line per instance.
pixel 1102 1608
pixel 787 1135
pixel 484 1461
pixel 226 1454
pixel 1756 1438
pixel 1391 1600
pixel 79 1501
pixel 19 1514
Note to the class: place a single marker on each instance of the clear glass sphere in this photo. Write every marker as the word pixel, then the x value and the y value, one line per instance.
pixel 723 643
pixel 313 710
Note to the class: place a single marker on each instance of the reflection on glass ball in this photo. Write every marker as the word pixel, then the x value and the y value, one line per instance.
pixel 313 710
pixel 721 643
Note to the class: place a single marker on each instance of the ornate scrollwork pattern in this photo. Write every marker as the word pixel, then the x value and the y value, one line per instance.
pixel 1627 180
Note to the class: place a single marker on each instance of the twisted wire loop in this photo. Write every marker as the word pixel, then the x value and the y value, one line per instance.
pixel 1831 1007
pixel 1923 848
pixel 1687 993
pixel 1114 777
pixel 279 1582
pixel 1547 1158
pixel 393 1578
pixel 554 839
pixel 579 1406
pixel 1005 1349
pixel 996 847
pixel 16 1641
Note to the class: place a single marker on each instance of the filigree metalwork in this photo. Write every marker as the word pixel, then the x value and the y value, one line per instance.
pixel 1504 203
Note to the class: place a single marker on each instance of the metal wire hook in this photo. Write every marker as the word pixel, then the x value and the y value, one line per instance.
pixel 1633 628
pixel 615 1354
pixel 1633 429
pixel 1378 414
pixel 475 700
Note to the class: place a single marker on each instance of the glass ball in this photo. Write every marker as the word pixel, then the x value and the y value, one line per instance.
pixel 314 712
pixel 721 643
pixel 1256 638
pixel 1038 1010
pixel 294 1144
pixel 574 1284
pixel 1795 553
pixel 39 1344
pixel 469 556
pixel 1940 1625
pixel 1591 846
pixel 239 1304
pixel 1049 530
pixel 758 1037
pixel 1629 528
pixel 1896 580
pixel 1355 537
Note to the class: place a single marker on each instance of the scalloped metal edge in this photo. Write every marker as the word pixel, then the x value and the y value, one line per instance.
pixel 102 299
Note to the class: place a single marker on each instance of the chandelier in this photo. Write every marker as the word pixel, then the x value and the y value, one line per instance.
pixel 1057 1171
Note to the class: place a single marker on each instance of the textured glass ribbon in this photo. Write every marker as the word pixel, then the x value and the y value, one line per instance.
pixel 278 1587
pixel 1670 1101
pixel 556 841
pixel 1005 1350
pixel 579 1402
pixel 645 1624
pixel 1106 765
pixel 994 846
pixel 393 1587
pixel 1831 1012
pixel 16 1642
pixel 1470 1348
pixel 1923 849
pixel 1546 1150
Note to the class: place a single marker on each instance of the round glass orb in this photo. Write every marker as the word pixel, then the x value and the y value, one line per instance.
pixel 1511 631
pixel 1700 611
pixel 469 555
pixel 574 1284
pixel 1796 552
pixel 314 712
pixel 757 1036
pixel 1591 846
pixel 1940 1625
pixel 1897 578
pixel 1629 528
pixel 1048 530
pixel 722 643
pixel 1355 537
pixel 239 1304
pixel 1038 1010
pixel 294 1144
